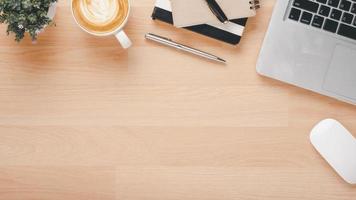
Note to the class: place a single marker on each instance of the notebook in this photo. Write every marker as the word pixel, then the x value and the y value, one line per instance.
pixel 193 12
pixel 230 33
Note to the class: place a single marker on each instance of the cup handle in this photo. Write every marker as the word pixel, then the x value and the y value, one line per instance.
pixel 123 39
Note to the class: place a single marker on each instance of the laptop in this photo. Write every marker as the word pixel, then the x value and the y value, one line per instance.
pixel 312 44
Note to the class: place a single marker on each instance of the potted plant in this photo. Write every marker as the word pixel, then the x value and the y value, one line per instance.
pixel 30 16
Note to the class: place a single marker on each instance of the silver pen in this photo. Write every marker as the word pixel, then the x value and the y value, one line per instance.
pixel 171 43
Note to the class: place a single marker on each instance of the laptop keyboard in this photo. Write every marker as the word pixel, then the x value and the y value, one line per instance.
pixel 335 16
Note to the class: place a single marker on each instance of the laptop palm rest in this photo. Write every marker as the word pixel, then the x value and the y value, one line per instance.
pixel 341 76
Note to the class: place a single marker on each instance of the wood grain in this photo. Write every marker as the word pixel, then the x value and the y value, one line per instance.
pixel 82 119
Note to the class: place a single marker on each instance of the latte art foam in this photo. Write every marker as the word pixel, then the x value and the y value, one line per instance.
pixel 100 16
pixel 99 11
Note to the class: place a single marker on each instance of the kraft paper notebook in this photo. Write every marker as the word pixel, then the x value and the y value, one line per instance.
pixel 230 33
pixel 193 12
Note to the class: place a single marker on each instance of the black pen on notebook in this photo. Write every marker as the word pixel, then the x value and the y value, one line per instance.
pixel 217 11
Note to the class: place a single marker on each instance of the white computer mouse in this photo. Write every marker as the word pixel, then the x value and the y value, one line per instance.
pixel 337 146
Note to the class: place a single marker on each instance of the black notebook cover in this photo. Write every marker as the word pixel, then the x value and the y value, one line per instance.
pixel 220 33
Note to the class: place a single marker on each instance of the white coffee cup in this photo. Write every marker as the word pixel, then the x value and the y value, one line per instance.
pixel 118 32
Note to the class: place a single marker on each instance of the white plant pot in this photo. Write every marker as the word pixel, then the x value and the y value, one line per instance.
pixel 52 10
pixel 50 14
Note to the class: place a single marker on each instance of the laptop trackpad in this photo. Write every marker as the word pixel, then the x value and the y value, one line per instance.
pixel 341 76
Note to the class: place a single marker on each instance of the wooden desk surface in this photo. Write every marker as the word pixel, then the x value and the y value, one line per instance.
pixel 82 119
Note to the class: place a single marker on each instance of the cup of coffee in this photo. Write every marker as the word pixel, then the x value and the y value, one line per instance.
pixel 103 18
